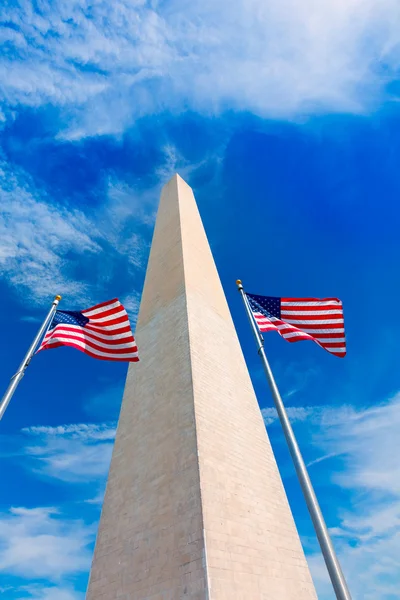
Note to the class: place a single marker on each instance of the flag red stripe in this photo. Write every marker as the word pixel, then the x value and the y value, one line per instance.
pixel 116 321
pixel 331 335
pixel 307 300
pixel 92 354
pixel 333 344
pixel 300 339
pixel 108 332
pixel 118 310
pixel 96 306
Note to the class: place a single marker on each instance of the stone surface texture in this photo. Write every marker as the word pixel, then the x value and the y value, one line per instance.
pixel 194 507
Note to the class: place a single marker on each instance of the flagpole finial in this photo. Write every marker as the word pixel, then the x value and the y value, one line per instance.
pixel 57 299
pixel 239 284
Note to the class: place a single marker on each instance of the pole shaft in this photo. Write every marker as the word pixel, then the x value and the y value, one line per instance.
pixel 21 369
pixel 332 563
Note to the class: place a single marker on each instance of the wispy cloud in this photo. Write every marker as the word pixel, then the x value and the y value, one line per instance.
pixel 39 543
pixel 287 57
pixel 367 436
pixel 41 592
pixel 34 238
pixel 48 248
pixel 292 377
pixel 73 453
pixel 45 545
pixel 30 319
pixel 311 414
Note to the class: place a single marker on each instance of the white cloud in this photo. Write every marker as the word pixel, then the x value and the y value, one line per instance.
pixel 131 303
pixel 364 464
pixel 38 543
pixel 74 453
pixel 276 58
pixel 45 545
pixel 98 499
pixel 367 437
pixel 369 533
pixel 42 244
pixel 50 593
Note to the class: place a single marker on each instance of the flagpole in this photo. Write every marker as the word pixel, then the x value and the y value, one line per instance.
pixel 15 379
pixel 332 563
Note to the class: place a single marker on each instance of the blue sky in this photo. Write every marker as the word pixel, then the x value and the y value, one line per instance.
pixel 284 118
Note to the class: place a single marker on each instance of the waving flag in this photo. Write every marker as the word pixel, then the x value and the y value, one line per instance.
pixel 296 319
pixel 102 331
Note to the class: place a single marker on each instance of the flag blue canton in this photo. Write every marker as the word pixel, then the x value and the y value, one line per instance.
pixel 69 317
pixel 269 306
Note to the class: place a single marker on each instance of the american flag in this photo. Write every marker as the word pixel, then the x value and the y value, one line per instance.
pixel 296 319
pixel 102 331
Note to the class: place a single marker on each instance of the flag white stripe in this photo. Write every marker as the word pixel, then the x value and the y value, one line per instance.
pixel 299 333
pixel 314 332
pixel 341 349
pixel 108 327
pixel 261 321
pixel 340 340
pixel 260 317
pixel 59 336
pixel 84 346
pixel 89 332
pixel 291 334
pixel 101 309
pixel 313 303
pixel 310 313
pixel 116 315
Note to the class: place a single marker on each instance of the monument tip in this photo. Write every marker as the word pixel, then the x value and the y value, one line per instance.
pixel 176 177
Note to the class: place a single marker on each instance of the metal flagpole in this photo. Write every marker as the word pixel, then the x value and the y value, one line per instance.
pixel 15 379
pixel 332 563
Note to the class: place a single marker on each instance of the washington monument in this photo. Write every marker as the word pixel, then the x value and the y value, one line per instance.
pixel 194 506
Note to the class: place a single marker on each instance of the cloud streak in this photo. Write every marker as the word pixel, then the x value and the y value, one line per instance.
pixel 40 592
pixel 73 453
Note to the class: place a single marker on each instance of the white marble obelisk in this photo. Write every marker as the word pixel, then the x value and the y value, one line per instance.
pixel 195 507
